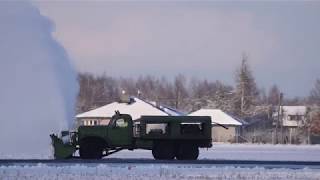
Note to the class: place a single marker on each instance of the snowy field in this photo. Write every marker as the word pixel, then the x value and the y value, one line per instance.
pixel 155 171
pixel 181 171
pixel 266 152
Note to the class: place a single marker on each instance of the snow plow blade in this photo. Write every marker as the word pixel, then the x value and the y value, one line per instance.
pixel 61 150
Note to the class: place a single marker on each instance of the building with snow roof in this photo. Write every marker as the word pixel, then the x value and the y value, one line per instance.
pixel 134 107
pixel 220 134
pixel 291 119
pixel 172 111
pixel 291 116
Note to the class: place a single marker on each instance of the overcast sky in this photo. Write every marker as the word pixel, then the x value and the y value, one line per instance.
pixel 202 40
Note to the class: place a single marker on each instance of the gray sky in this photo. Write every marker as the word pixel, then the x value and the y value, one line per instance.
pixel 202 40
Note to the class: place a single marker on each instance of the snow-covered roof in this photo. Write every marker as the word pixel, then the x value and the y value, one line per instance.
pixel 136 109
pixel 171 111
pixel 294 110
pixel 217 116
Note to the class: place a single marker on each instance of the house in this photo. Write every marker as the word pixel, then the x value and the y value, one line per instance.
pixel 134 106
pixel 290 119
pixel 220 134
pixel 291 116
pixel 167 109
pixel 171 111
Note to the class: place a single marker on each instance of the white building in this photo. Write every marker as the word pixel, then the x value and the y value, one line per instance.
pixel 135 107
pixel 220 134
pixel 291 116
pixel 290 120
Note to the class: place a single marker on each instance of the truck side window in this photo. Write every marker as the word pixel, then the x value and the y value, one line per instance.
pixel 157 128
pixel 121 123
pixel 192 128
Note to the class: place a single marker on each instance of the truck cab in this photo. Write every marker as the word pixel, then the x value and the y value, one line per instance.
pixel 97 141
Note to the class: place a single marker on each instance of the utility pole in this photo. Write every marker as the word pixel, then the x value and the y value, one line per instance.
pixel 242 84
pixel 276 129
pixel 279 121
pixel 309 126
pixel 242 98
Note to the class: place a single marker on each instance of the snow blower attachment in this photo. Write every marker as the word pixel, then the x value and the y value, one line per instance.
pixel 63 150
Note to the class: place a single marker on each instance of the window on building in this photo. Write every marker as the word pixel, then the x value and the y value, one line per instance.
pixel 295 117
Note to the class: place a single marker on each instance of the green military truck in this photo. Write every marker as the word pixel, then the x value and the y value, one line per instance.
pixel 168 137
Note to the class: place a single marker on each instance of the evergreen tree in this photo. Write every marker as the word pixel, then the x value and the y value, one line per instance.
pixel 315 122
pixel 315 93
pixel 273 96
pixel 246 91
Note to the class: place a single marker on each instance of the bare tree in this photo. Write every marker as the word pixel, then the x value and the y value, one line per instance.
pixel 165 92
pixel 180 90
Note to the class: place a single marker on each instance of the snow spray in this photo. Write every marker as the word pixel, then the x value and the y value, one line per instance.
pixel 38 84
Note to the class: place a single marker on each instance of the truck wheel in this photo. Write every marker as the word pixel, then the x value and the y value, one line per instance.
pixel 187 151
pixel 90 150
pixel 163 150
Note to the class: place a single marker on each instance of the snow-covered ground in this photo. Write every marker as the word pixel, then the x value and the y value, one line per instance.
pixel 153 171
pixel 245 152
pixel 182 171
pixel 263 152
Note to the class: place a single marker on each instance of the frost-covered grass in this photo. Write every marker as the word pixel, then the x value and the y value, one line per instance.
pixel 155 171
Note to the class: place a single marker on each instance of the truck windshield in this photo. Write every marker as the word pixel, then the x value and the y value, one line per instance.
pixel 121 123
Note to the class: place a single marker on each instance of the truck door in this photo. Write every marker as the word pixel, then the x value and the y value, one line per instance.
pixel 120 131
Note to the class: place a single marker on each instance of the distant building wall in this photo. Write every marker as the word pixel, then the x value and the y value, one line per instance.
pixel 293 120
pixel 92 121
pixel 291 116
pixel 220 134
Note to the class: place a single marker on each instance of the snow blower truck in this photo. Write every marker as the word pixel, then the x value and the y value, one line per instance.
pixel 168 137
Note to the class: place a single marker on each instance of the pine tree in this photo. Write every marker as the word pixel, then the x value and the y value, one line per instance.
pixel 273 96
pixel 315 93
pixel 314 98
pixel 315 122
pixel 246 91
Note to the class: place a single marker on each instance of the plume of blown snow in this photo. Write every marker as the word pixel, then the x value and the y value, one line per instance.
pixel 38 82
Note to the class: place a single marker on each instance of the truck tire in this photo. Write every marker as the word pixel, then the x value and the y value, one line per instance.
pixel 187 151
pixel 163 150
pixel 90 150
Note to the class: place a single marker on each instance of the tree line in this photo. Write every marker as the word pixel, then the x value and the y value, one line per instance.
pixel 243 100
